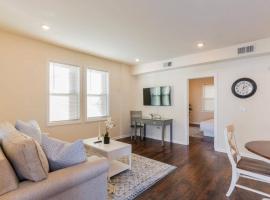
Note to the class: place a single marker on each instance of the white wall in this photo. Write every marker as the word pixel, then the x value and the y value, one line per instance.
pixel 254 124
pixel 23 85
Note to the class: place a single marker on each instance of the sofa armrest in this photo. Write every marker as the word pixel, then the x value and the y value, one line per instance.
pixel 59 181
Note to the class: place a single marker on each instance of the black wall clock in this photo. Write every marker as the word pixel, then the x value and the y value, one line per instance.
pixel 244 88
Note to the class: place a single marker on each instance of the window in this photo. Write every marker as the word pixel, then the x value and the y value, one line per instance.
pixel 64 93
pixel 97 94
pixel 208 98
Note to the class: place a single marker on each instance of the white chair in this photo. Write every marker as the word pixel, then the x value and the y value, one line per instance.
pixel 244 167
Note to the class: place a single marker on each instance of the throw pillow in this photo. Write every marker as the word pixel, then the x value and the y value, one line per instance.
pixel 26 156
pixel 5 129
pixel 8 179
pixel 62 154
pixel 30 128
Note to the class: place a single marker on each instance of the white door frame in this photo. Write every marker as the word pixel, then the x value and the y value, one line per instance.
pixel 203 75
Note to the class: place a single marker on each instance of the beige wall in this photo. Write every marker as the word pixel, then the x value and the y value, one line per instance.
pixel 23 85
pixel 196 99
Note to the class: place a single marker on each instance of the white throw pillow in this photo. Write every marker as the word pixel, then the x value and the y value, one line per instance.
pixel 30 128
pixel 62 154
pixel 5 129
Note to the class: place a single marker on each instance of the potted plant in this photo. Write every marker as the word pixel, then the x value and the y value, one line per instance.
pixel 109 124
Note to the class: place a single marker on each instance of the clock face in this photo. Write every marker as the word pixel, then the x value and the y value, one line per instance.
pixel 244 88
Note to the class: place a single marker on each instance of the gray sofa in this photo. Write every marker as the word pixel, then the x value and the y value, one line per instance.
pixel 86 181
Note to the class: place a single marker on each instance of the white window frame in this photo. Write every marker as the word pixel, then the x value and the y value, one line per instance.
pixel 102 118
pixel 62 122
pixel 204 98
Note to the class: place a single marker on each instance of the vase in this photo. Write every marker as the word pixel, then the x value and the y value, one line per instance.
pixel 106 140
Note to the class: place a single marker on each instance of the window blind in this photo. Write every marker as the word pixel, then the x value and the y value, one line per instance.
pixel 97 93
pixel 64 92
pixel 208 98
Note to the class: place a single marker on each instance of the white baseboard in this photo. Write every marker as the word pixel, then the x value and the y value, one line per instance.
pixel 168 140
pixel 179 142
pixel 155 138
pixel 221 150
pixel 218 149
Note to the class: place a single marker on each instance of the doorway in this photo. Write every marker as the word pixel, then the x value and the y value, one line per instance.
pixel 201 103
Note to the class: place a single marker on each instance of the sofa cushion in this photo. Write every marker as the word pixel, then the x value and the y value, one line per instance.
pixel 8 179
pixel 62 154
pixel 65 180
pixel 26 156
pixel 30 128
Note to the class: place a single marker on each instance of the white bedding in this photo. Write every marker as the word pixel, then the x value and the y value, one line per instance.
pixel 207 127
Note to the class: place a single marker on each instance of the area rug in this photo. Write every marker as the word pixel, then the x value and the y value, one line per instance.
pixel 145 173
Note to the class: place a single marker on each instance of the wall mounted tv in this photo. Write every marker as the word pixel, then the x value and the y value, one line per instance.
pixel 157 96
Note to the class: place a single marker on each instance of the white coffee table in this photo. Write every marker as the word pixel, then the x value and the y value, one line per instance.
pixel 113 151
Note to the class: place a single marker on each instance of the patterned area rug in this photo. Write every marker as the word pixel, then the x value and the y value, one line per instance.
pixel 145 173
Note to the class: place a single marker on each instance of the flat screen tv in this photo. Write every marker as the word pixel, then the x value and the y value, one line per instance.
pixel 157 96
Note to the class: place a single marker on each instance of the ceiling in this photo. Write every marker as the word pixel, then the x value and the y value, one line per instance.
pixel 150 30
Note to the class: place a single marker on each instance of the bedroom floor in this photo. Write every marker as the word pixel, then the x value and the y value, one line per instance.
pixel 195 132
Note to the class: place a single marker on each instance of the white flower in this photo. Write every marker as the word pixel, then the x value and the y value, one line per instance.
pixel 109 123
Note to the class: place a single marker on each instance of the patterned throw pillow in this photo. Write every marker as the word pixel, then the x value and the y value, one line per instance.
pixel 30 128
pixel 62 154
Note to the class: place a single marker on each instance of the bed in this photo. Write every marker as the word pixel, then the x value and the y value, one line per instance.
pixel 207 127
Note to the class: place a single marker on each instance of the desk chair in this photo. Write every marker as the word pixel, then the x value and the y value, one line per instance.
pixel 135 123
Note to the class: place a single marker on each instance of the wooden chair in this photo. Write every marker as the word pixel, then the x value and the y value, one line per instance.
pixel 135 116
pixel 244 167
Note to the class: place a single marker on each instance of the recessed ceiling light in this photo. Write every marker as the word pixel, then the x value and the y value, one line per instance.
pixel 137 60
pixel 45 27
pixel 200 45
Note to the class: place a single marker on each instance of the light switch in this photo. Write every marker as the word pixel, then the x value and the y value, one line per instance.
pixel 243 109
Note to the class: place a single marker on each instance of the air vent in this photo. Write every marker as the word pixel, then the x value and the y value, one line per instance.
pixel 167 64
pixel 244 50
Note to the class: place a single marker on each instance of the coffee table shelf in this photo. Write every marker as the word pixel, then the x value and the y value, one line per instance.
pixel 113 152
pixel 117 167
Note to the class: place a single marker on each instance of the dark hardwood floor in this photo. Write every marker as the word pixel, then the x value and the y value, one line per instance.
pixel 201 172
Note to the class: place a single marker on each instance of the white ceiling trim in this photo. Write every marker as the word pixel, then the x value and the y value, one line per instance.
pixel 261 47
